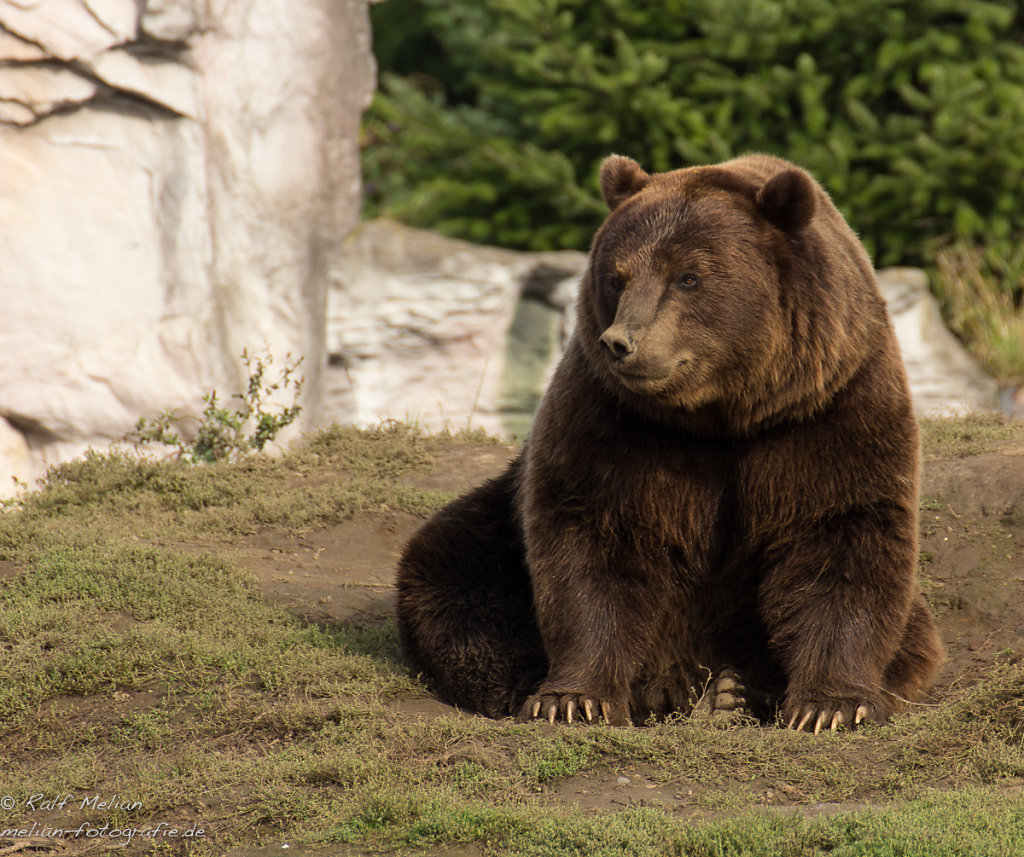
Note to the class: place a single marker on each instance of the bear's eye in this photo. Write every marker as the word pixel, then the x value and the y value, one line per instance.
pixel 688 281
pixel 614 281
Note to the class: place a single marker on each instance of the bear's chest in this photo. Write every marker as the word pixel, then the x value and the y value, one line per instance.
pixel 661 496
pixel 679 498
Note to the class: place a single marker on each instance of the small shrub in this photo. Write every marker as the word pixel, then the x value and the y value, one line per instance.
pixel 224 432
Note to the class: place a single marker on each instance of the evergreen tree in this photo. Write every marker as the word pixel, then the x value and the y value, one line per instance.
pixel 493 115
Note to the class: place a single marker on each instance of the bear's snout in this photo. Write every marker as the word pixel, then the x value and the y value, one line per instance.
pixel 618 342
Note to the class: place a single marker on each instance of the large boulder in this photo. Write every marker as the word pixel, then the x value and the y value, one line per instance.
pixel 174 178
pixel 447 333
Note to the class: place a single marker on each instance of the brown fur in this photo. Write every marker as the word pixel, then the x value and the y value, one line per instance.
pixel 723 472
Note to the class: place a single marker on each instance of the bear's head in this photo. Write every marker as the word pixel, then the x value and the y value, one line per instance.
pixel 733 293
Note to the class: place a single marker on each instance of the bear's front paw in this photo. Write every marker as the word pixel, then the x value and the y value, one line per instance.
pixel 803 715
pixel 574 706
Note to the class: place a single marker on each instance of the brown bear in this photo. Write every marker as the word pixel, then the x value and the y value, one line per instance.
pixel 719 489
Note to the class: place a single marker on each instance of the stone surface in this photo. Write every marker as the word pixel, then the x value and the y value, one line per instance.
pixel 167 84
pixel 174 179
pixel 16 459
pixel 71 29
pixel 31 92
pixel 944 378
pixel 453 334
pixel 444 332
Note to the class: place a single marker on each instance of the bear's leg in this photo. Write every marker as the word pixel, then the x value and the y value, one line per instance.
pixel 837 602
pixel 598 606
pixel 666 685
pixel 465 610
pixel 915 662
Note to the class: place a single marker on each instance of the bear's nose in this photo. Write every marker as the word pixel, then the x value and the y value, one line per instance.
pixel 618 342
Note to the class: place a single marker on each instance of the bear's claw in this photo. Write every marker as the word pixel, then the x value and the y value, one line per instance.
pixel 832 715
pixel 571 707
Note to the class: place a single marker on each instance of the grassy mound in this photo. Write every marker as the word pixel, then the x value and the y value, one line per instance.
pixel 140 660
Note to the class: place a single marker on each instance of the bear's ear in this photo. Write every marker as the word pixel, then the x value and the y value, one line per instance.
pixel 621 178
pixel 787 200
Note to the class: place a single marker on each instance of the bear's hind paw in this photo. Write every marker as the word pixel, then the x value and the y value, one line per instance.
pixel 730 696
pixel 572 707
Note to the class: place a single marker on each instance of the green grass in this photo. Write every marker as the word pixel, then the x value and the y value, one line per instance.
pixel 335 474
pixel 975 822
pixel 87 618
pixel 961 437
pixel 161 674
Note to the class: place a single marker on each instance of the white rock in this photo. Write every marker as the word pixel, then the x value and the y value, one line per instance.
pixel 186 209
pixel 170 20
pixel 13 48
pixel 944 379
pixel 71 29
pixel 170 84
pixel 421 327
pixel 119 17
pixel 92 275
pixel 30 92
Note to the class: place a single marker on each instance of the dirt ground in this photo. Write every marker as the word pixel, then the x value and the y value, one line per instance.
pixel 972 548
pixel 346 572
pixel 972 568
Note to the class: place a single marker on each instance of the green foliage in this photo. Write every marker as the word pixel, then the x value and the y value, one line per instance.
pixel 492 127
pixel 226 433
